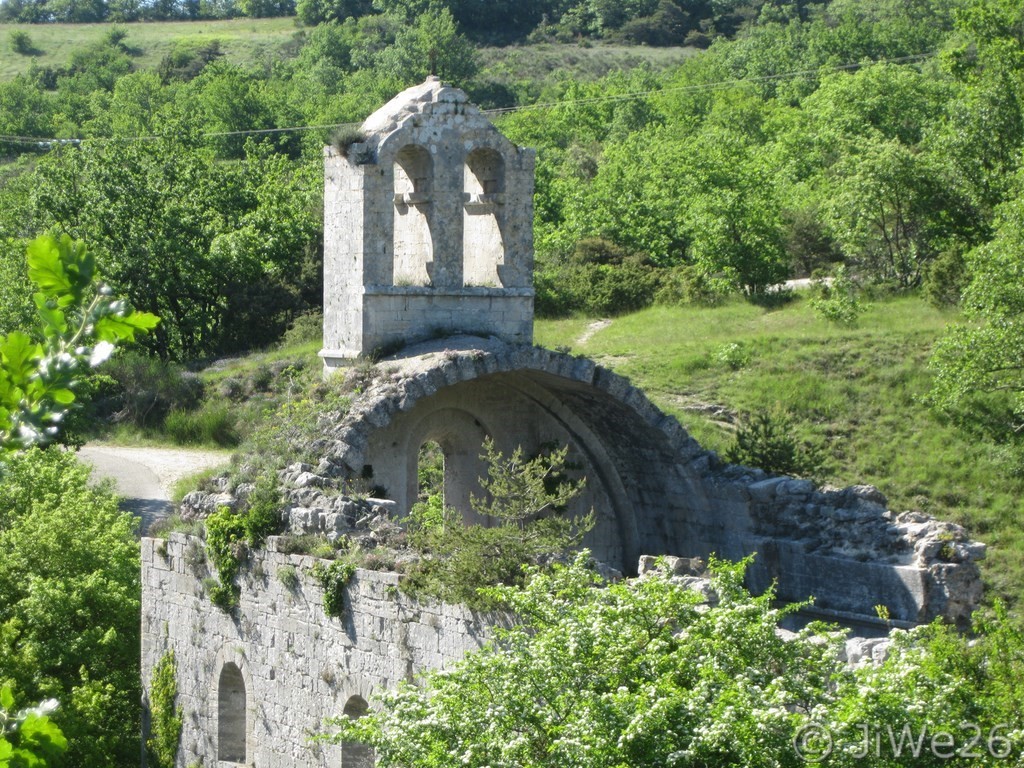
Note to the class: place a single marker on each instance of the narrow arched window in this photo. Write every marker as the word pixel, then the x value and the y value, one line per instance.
pixel 231 716
pixel 430 474
pixel 414 245
pixel 354 754
pixel 483 241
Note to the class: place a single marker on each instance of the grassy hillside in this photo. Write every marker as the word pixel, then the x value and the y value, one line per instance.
pixel 260 41
pixel 242 40
pixel 856 392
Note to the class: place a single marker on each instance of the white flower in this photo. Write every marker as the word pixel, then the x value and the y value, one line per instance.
pixel 100 353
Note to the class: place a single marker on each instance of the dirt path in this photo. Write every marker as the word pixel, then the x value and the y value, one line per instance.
pixel 591 329
pixel 145 476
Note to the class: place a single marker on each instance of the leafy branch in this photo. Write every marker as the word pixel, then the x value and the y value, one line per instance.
pixel 28 737
pixel 80 324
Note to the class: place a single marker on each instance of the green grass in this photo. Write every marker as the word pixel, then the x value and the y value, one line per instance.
pixel 857 392
pixel 244 41
pixel 263 41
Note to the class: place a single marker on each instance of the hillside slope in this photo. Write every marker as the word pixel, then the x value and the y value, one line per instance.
pixel 857 393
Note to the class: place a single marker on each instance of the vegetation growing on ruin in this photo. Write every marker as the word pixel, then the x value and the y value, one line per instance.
pixel 230 534
pixel 333 578
pixel 165 715
pixel 524 500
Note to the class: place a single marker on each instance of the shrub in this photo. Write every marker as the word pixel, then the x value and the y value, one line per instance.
pixel 766 441
pixel 21 42
pixel 151 388
pixel 526 499
pixel 732 355
pixel 345 137
pixel 838 301
pixel 289 577
pixel 69 604
pixel 225 541
pixel 262 518
pixel 599 278
pixel 690 285
pixel 229 535
pixel 211 425
pixel 946 278
pixel 304 328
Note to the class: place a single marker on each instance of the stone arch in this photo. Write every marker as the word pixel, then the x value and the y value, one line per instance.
pixel 232 715
pixel 460 435
pixel 644 467
pixel 483 235
pixel 353 753
pixel 413 227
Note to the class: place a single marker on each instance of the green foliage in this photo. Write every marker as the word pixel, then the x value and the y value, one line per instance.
pixel 289 577
pixel 946 279
pixel 209 425
pixel 262 516
pixel 333 579
pixel 525 506
pixel 148 389
pixel 599 278
pixel 430 45
pixel 837 300
pixel 28 738
pixel 79 324
pixel 641 674
pixel 21 42
pixel 230 535
pixel 732 355
pixel 893 211
pixel 233 233
pixel 767 441
pixel 987 355
pixel 595 675
pixel 165 715
pixel 691 285
pixel 225 541
pixel 69 603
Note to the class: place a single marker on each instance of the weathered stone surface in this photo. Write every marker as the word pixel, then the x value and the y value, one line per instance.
pixel 299 665
pixel 433 235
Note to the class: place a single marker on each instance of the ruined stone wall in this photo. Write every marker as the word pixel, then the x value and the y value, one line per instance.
pixel 297 665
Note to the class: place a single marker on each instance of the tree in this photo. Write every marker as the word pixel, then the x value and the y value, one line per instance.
pixel 636 674
pixel 314 12
pixel 431 45
pixel 986 354
pixel 223 253
pixel 69 604
pixel 892 211
pixel 525 505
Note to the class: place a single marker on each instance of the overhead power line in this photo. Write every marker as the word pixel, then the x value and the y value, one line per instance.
pixel 49 143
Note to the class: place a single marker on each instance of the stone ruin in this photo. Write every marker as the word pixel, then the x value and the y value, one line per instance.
pixel 428 247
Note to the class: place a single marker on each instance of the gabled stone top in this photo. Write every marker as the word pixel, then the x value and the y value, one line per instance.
pixel 431 98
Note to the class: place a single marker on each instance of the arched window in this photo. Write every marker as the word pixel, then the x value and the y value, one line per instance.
pixel 483 242
pixel 354 754
pixel 414 171
pixel 430 473
pixel 231 716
